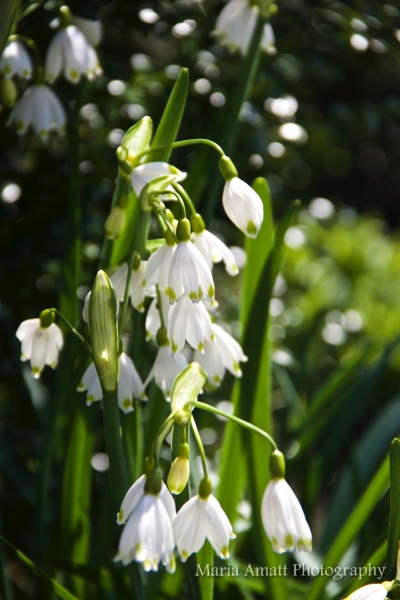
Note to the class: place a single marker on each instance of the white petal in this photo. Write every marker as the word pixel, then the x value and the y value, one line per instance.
pixel 28 325
pixel 131 499
pixel 189 528
pixel 39 351
pixel 87 378
pixel 243 206
pixel 373 591
pixel 218 528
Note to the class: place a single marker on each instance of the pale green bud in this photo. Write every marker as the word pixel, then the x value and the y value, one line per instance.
pixel 136 140
pixel 179 472
pixel 65 16
pixel 205 488
pixel 47 318
pixel 153 190
pixel 183 230
pixel 197 223
pixel 8 92
pixel 277 465
pixel 153 483
pixel 103 308
pixel 227 168
pixel 115 222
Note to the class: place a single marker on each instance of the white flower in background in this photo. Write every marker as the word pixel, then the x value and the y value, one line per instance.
pixel 189 321
pixel 189 273
pixel 39 108
pixel 135 493
pixel 211 247
pixel 243 206
pixel 41 340
pixel 70 52
pixel 224 353
pixel 148 536
pixel 200 518
pixel 372 591
pixel 158 265
pixel 129 384
pixel 16 60
pixel 92 30
pixel 235 26
pixel 283 518
pixel 136 287
pixel 167 366
pixel 85 310
pixel 153 321
pixel 143 174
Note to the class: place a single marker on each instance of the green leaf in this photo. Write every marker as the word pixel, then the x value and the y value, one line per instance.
pixel 9 9
pixel 205 557
pixel 171 119
pixel 394 521
pixel 61 591
pixel 187 386
pixel 351 528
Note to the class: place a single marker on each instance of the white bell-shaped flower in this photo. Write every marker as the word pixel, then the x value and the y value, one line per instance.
pixel 235 26
pixel 243 206
pixel 158 265
pixel 282 516
pixel 167 366
pixel 136 287
pixel 71 53
pixel 91 29
pixel 214 251
pixel 189 272
pixel 135 493
pixel 200 518
pixel 148 536
pixel 130 385
pixel 41 340
pixel 153 320
pixel 372 591
pixel 143 174
pixel 16 60
pixel 224 353
pixel 189 321
pixel 39 108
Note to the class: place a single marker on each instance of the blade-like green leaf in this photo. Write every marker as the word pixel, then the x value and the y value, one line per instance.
pixel 205 558
pixel 394 521
pixel 61 591
pixel 9 9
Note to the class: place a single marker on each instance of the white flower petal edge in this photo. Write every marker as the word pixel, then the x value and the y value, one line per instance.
pixel 283 518
pixel 153 321
pixel 145 173
pixel 189 321
pixel 165 369
pixel 136 287
pixel 224 353
pixel 92 30
pixel 40 345
pixel 158 266
pixel 189 274
pixel 148 536
pixel 235 24
pixel 134 494
pixel 198 519
pixel 243 206
pixel 71 52
pixel 39 108
pixel 16 60
pixel 214 250
pixel 373 591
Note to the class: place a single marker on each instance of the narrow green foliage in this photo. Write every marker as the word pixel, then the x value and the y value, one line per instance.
pixel 206 557
pixel 9 9
pixel 394 521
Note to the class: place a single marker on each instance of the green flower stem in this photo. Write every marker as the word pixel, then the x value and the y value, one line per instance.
pixel 72 329
pixel 139 458
pixel 122 188
pixel 186 197
pixel 245 424
pixel 117 471
pixel 180 145
pixel 177 196
pixel 124 309
pixel 200 445
pixel 160 305
pixel 161 435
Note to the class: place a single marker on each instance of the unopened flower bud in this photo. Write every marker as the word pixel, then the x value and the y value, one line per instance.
pixel 179 472
pixel 103 309
pixel 277 465
pixel 227 168
pixel 205 488
pixel 115 222
pixel 183 230
pixel 197 223
pixel 47 318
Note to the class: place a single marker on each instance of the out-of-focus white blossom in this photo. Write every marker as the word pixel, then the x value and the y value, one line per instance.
pixel 40 109
pixel 16 60
pixel 71 53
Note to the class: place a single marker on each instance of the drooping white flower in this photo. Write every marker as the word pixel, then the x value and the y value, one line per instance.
pixel 243 206
pixel 153 320
pixel 167 366
pixel 224 353
pixel 189 321
pixel 92 30
pixel 70 52
pixel 40 343
pixel 136 287
pixel 214 251
pixel 145 173
pixel 189 272
pixel 148 536
pixel 158 265
pixel 235 26
pixel 129 384
pixel 283 518
pixel 200 518
pixel 135 493
pixel 16 60
pixel 39 108
pixel 372 591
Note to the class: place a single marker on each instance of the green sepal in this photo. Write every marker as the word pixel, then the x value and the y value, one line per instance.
pixel 205 487
pixel 153 189
pixel 187 386
pixel 277 465
pixel 153 483
pixel 183 230
pixel 47 318
pixel 227 168
pixel 197 223
pixel 103 307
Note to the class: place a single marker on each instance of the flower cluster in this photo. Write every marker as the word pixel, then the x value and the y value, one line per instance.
pixel 71 52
